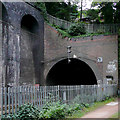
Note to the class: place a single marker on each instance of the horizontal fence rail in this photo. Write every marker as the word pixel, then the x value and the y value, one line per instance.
pixel 90 28
pixel 12 98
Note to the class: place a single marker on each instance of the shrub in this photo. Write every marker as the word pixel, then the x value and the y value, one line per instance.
pixel 51 110
pixel 72 108
pixel 54 110
pixel 26 111
pixel 77 29
pixel 63 33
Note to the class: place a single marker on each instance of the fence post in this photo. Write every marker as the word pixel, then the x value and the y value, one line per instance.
pixel 58 92
pixel 5 101
pixel 39 96
pixel 45 95
pixel 18 96
pixel 23 94
pixel 2 102
pixel 29 94
pixel 9 100
pixel 41 92
pixel 15 100
pixel 20 93
pixel 12 100
pixel 34 96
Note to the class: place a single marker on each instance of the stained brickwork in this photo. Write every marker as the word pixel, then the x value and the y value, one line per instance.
pixel 28 57
pixel 16 55
pixel 87 49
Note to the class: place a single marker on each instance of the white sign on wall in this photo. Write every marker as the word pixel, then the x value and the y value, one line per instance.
pixel 99 59
pixel 111 67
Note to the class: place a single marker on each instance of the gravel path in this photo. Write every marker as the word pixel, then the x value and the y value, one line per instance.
pixel 103 112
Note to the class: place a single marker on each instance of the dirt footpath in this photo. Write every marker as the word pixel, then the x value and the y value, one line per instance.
pixel 104 112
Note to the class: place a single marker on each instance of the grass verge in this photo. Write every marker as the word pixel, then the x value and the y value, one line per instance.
pixel 116 115
pixel 94 106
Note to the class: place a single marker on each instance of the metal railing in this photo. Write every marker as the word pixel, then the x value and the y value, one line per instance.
pixel 13 97
pixel 90 28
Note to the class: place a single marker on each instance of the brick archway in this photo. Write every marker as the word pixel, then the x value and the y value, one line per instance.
pixel 30 72
pixel 76 72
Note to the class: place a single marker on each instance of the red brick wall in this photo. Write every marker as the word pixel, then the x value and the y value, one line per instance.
pixel 87 49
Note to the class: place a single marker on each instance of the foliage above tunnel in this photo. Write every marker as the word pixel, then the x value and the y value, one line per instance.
pixel 106 12
pixel 77 29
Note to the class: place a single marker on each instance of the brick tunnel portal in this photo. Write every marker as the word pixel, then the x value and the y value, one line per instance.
pixel 76 72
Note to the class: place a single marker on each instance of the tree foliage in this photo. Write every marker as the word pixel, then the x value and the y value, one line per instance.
pixel 107 12
pixel 77 29
pixel 92 14
pixel 117 13
pixel 62 10
pixel 42 7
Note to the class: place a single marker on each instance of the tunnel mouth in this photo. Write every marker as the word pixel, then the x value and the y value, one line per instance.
pixel 4 14
pixel 30 24
pixel 75 72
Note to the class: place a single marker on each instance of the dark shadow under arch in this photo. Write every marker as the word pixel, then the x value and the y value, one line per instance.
pixel 76 72
pixel 30 50
pixel 29 23
pixel 3 13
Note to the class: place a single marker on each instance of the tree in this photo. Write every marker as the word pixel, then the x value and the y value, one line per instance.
pixel 62 10
pixel 42 7
pixel 107 11
pixel 117 13
pixel 92 14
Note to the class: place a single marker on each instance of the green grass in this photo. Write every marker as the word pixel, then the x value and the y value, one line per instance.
pixel 116 115
pixel 93 107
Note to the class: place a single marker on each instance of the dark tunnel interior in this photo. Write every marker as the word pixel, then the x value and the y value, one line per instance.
pixel 4 13
pixel 30 24
pixel 76 72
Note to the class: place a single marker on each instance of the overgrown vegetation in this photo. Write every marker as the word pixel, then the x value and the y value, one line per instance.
pixel 77 29
pixel 26 111
pixel 42 7
pixel 69 12
pixel 64 32
pixel 55 110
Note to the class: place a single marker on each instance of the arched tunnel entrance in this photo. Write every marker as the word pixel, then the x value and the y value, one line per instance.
pixel 76 72
pixel 30 48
